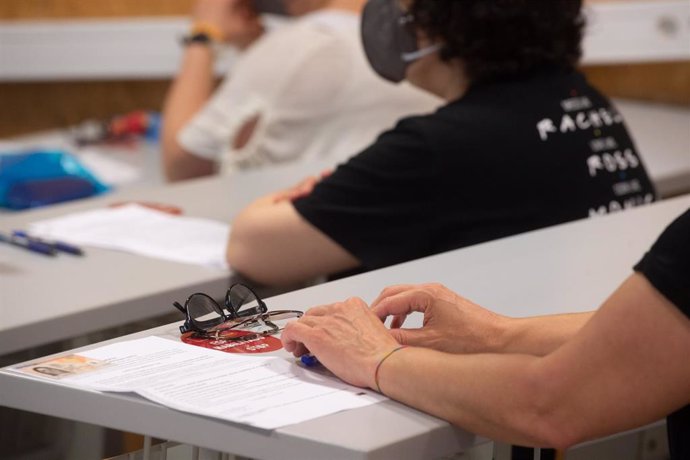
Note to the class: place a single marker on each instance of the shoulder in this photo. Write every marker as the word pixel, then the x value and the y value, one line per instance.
pixel 667 264
pixel 297 39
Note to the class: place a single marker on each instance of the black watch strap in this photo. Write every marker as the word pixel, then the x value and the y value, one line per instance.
pixel 199 37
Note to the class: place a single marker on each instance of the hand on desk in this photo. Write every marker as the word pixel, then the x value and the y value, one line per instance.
pixel 346 337
pixel 350 338
pixel 452 323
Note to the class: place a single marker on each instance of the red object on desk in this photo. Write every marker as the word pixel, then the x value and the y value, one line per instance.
pixel 263 344
pixel 167 208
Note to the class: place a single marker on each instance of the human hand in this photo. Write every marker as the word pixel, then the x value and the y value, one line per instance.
pixel 235 20
pixel 304 188
pixel 346 337
pixel 452 323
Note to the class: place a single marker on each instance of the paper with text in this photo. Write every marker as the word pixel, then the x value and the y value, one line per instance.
pixel 265 392
pixel 140 230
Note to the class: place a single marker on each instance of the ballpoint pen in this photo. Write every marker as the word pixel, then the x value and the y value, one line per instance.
pixel 309 360
pixel 58 245
pixel 29 245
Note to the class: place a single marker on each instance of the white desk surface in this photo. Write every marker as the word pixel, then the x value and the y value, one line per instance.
pixel 662 135
pixel 43 299
pixel 567 268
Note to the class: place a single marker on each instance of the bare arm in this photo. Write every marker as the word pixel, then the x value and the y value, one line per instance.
pixel 189 92
pixel 626 367
pixel 455 324
pixel 272 244
pixel 541 335
pixel 233 22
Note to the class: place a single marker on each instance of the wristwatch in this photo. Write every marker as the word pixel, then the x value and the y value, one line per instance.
pixel 198 37
pixel 204 33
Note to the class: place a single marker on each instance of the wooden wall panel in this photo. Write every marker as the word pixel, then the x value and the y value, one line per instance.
pixel 659 82
pixel 31 107
pixel 63 9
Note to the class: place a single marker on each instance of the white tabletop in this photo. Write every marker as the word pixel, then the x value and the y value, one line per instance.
pixel 567 268
pixel 43 299
pixel 662 135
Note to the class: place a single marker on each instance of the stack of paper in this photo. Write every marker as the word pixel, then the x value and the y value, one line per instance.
pixel 266 392
pixel 142 231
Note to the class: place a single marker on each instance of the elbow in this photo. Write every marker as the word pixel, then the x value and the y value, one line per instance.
pixel 551 421
pixel 238 256
pixel 171 154
pixel 245 255
pixel 555 435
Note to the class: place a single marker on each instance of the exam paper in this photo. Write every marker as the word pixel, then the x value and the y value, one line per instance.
pixel 265 392
pixel 144 231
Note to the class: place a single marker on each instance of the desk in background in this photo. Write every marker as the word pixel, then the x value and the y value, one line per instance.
pixel 44 299
pixel 568 268
pixel 662 135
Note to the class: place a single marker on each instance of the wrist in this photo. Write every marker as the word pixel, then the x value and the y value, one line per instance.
pixel 508 331
pixel 376 384
pixel 209 29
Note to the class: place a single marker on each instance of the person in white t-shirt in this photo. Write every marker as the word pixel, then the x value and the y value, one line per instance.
pixel 300 92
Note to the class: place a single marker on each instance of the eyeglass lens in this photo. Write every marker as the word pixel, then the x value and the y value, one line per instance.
pixel 204 311
pixel 242 300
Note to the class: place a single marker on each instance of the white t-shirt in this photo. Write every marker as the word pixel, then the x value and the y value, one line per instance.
pixel 315 94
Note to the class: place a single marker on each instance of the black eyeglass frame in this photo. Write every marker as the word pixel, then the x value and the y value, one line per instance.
pixel 191 324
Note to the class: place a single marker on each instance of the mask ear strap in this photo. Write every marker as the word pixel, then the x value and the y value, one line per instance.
pixel 414 55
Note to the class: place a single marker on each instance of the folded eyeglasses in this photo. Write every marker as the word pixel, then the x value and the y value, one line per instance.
pixel 243 311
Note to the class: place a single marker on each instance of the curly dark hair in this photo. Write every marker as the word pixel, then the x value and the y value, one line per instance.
pixel 497 39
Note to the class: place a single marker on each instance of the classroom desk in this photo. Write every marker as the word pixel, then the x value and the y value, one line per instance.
pixel 138 288
pixel 662 135
pixel 44 299
pixel 568 268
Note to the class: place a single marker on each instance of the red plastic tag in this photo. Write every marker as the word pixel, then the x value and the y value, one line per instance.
pixel 262 344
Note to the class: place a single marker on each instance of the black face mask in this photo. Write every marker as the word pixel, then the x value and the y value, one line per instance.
pixel 389 40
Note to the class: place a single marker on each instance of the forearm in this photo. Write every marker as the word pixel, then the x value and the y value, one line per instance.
pixel 491 395
pixel 582 390
pixel 540 335
pixel 188 93
pixel 272 244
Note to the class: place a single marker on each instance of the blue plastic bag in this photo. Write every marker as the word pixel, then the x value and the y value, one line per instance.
pixel 39 178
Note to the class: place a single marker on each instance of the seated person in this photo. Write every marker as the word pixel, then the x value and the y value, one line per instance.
pixel 524 142
pixel 551 381
pixel 301 92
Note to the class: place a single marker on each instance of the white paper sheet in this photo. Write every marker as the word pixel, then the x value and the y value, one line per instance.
pixel 266 392
pixel 108 169
pixel 142 231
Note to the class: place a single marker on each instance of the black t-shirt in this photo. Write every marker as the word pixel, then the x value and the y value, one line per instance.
pixel 506 158
pixel 667 267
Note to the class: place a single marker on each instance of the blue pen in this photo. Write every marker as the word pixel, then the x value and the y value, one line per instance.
pixel 58 245
pixel 309 360
pixel 33 246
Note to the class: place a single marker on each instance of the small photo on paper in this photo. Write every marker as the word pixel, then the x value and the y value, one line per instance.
pixel 62 367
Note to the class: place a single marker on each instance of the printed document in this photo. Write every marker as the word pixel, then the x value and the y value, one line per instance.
pixel 265 392
pixel 140 230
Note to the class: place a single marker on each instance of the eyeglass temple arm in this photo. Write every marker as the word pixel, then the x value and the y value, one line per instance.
pixel 180 307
